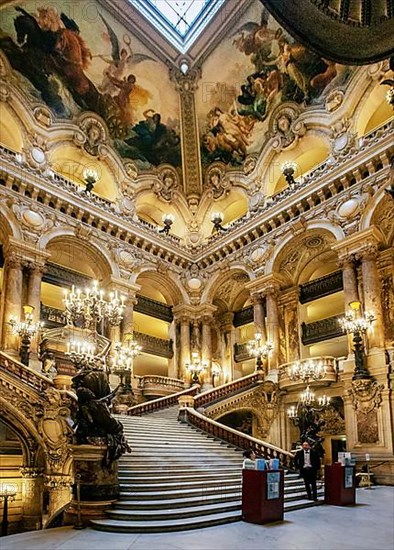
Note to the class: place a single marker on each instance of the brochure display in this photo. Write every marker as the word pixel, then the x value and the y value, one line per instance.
pixel 340 485
pixel 262 495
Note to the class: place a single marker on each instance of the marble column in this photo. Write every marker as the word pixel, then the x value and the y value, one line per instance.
pixel 32 498
pixel 227 348
pixel 289 301
pixel 206 350
pixel 259 315
pixel 13 281
pixel 273 324
pixel 127 325
pixel 372 295
pixel 34 297
pixel 349 276
pixel 184 355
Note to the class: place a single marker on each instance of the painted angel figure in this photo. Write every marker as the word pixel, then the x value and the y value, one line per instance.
pixel 120 64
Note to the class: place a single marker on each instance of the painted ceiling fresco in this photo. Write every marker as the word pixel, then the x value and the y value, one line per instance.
pixel 76 57
pixel 254 70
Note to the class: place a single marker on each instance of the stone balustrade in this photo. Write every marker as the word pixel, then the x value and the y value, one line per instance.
pixel 161 402
pixel 226 390
pixel 159 385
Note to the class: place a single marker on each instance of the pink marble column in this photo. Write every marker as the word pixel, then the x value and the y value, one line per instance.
pixel 349 276
pixel 372 295
pixel 127 324
pixel 259 315
pixel 34 296
pixel 206 349
pixel 273 324
pixel 184 355
pixel 13 280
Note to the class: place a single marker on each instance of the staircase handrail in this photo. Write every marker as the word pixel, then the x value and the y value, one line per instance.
pixel 159 380
pixel 161 402
pixel 226 389
pixel 32 378
pixel 237 438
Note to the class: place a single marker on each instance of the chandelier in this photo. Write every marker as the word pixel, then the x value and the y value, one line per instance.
pixel 307 370
pixel 90 307
pixel 195 367
pixel 259 349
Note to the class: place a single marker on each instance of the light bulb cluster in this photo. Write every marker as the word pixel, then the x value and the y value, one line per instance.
pixel 81 353
pixel 307 370
pixel 123 357
pixel 91 307
pixel 26 328
pixel 258 348
pixel 352 322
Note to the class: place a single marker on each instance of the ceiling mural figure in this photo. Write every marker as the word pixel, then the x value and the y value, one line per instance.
pixel 71 71
pixel 270 68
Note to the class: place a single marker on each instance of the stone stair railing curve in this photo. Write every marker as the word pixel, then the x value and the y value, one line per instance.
pixel 239 439
pixel 164 381
pixel 161 402
pixel 225 390
pixel 27 375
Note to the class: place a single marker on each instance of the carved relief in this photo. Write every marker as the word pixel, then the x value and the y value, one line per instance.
pixel 349 210
pixel 342 139
pixel 366 397
pixel 334 100
pixel 216 182
pixel 32 219
pixel 388 305
pixel 166 185
pixel 92 136
pixel 285 127
pixel 332 422
pixel 367 427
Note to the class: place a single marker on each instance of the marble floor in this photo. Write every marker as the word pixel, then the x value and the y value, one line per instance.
pixel 367 525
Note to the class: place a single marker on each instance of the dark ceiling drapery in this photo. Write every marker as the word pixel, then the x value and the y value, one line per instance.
pixel 346 31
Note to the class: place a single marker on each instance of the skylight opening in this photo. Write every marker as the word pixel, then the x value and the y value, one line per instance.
pixel 180 21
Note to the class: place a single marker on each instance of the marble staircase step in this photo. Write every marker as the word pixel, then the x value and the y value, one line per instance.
pixel 160 526
pixel 158 479
pixel 180 502
pixel 180 492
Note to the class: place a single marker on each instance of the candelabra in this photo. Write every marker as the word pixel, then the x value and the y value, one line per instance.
pixel 26 330
pixel 304 415
pixel 90 307
pixel 82 354
pixel 357 324
pixel 168 220
pixel 7 494
pixel 288 170
pixel 260 350
pixel 122 361
pixel 90 176
pixel 195 367
pixel 216 219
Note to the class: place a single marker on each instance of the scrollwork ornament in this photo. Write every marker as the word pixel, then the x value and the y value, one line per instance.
pixel 285 127
pixel 366 395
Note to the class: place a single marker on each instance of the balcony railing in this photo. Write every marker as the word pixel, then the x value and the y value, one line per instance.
pixel 243 316
pixel 153 308
pixel 159 385
pixel 323 286
pixel 318 331
pixel 330 376
pixel 155 346
pixel 242 353
pixel 30 377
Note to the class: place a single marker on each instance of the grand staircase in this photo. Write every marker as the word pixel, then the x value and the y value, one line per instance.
pixel 178 478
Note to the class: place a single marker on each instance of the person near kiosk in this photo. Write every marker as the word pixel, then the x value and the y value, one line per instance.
pixel 307 461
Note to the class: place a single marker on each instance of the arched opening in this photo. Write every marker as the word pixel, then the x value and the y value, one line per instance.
pixel 10 132
pixel 375 111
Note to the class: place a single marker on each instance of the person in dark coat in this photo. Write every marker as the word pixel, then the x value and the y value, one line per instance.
pixel 307 461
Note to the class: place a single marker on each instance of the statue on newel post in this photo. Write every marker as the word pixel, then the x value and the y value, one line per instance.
pixel 94 421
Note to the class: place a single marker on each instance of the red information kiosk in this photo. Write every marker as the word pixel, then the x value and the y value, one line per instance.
pixel 262 495
pixel 340 485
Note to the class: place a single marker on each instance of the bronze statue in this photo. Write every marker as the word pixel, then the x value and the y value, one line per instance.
pixel 93 418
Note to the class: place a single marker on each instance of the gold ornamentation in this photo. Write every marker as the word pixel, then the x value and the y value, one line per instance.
pixel 366 395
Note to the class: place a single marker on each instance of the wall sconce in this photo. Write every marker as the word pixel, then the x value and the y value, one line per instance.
pixel 26 330
pixel 288 170
pixel 216 370
pixel 168 220
pixel 216 219
pixel 90 176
